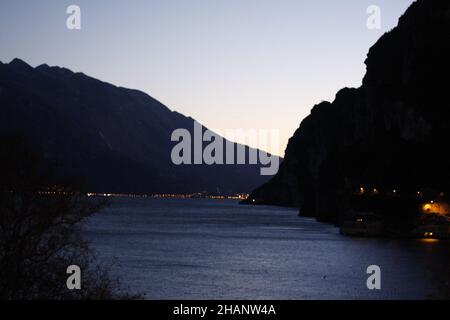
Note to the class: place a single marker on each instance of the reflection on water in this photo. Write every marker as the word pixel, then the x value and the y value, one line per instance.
pixel 429 240
pixel 211 249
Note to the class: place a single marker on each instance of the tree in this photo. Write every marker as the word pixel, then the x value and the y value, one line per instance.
pixel 39 233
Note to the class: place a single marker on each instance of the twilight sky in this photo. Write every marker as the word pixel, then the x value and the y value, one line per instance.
pixel 229 64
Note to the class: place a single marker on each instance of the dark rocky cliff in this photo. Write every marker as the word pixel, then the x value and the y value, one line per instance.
pixel 392 133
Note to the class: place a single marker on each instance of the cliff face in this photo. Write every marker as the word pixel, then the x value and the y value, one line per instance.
pixel 392 133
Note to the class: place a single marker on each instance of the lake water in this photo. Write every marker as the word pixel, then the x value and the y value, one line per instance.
pixel 218 249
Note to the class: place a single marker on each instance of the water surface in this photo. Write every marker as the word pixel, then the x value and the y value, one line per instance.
pixel 218 249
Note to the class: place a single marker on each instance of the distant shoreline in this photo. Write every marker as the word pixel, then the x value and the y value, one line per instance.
pixel 169 196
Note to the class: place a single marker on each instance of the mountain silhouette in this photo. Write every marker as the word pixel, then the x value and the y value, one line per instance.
pixel 389 135
pixel 113 139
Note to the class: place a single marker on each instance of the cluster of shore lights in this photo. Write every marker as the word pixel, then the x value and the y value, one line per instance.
pixel 362 190
pixel 117 195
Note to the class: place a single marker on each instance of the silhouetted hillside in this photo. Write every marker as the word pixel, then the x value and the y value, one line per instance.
pixel 113 139
pixel 390 134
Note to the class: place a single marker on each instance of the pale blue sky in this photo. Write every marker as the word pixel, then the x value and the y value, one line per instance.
pixel 227 63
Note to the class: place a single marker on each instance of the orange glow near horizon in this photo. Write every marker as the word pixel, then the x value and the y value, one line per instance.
pixel 439 208
pixel 429 240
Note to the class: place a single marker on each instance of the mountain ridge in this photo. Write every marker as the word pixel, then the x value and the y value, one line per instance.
pixel 116 139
